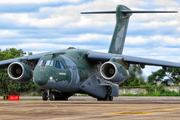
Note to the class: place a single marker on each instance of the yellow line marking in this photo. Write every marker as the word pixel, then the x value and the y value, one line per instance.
pixel 167 109
pixel 132 112
pixel 140 112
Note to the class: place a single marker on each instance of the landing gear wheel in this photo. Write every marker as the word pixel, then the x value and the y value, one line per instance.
pixel 57 96
pixel 44 97
pixel 108 96
pixel 52 96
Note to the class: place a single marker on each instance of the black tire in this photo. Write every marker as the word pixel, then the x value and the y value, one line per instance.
pixel 57 96
pixel 110 98
pixel 52 96
pixel 44 96
pixel 106 98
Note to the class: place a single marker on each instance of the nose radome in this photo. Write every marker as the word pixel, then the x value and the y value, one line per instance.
pixel 40 78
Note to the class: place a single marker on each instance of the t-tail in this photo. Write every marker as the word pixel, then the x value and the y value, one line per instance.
pixel 123 14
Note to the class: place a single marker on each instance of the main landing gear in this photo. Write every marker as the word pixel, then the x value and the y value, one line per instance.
pixel 55 96
pixel 45 96
pixel 108 96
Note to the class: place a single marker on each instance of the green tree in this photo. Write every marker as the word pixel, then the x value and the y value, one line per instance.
pixel 175 71
pixel 156 76
pixel 161 73
pixel 135 76
pixel 8 86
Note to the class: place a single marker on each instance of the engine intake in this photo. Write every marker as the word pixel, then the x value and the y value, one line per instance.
pixel 19 71
pixel 114 72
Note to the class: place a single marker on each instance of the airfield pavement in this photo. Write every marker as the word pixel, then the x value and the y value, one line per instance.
pixel 87 108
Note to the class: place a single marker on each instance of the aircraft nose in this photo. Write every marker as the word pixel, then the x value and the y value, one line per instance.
pixel 40 78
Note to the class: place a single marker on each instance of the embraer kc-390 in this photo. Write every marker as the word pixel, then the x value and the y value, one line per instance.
pixel 62 73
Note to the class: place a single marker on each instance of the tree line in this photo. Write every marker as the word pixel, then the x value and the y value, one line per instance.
pixel 8 86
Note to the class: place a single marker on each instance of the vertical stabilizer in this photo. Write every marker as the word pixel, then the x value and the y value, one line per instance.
pixel 119 35
pixel 122 18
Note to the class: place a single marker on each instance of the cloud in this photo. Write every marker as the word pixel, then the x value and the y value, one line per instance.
pixel 33 1
pixel 26 19
pixel 86 38
pixel 166 40
pixel 69 13
pixel 153 41
pixel 166 3
pixel 154 24
pixel 44 46
pixel 83 38
pixel 135 40
pixel 6 34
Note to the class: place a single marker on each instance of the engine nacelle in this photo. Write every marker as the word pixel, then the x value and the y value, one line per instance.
pixel 113 72
pixel 19 71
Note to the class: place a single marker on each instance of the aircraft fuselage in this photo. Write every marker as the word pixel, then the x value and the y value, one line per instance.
pixel 65 70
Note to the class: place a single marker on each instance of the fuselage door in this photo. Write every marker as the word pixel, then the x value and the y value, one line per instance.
pixel 74 77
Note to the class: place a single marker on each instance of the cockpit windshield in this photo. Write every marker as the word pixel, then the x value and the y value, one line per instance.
pixel 63 67
pixel 49 63
pixel 56 63
pixel 40 63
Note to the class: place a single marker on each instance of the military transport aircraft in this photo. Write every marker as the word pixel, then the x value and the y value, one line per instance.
pixel 62 73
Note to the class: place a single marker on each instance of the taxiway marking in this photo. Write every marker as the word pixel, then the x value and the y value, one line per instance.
pixel 143 112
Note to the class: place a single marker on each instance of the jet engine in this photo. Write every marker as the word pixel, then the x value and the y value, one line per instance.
pixel 114 72
pixel 19 71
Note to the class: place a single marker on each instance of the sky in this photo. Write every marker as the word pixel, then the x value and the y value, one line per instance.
pixel 44 25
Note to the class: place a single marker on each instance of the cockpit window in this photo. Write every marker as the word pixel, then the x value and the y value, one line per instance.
pixel 40 63
pixel 48 62
pixel 52 63
pixel 57 64
pixel 63 67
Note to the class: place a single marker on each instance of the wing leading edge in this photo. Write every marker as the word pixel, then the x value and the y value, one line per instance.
pixel 131 59
pixel 6 63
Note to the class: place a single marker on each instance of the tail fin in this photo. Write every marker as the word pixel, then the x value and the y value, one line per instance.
pixel 123 14
pixel 119 35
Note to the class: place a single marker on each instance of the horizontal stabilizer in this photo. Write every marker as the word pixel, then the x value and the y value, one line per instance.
pixel 100 12
pixel 128 11
pixel 136 11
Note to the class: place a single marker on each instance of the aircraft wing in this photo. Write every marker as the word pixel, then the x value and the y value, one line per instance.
pixel 6 63
pixel 131 59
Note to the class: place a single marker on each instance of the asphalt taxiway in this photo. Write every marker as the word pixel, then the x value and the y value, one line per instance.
pixel 80 108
